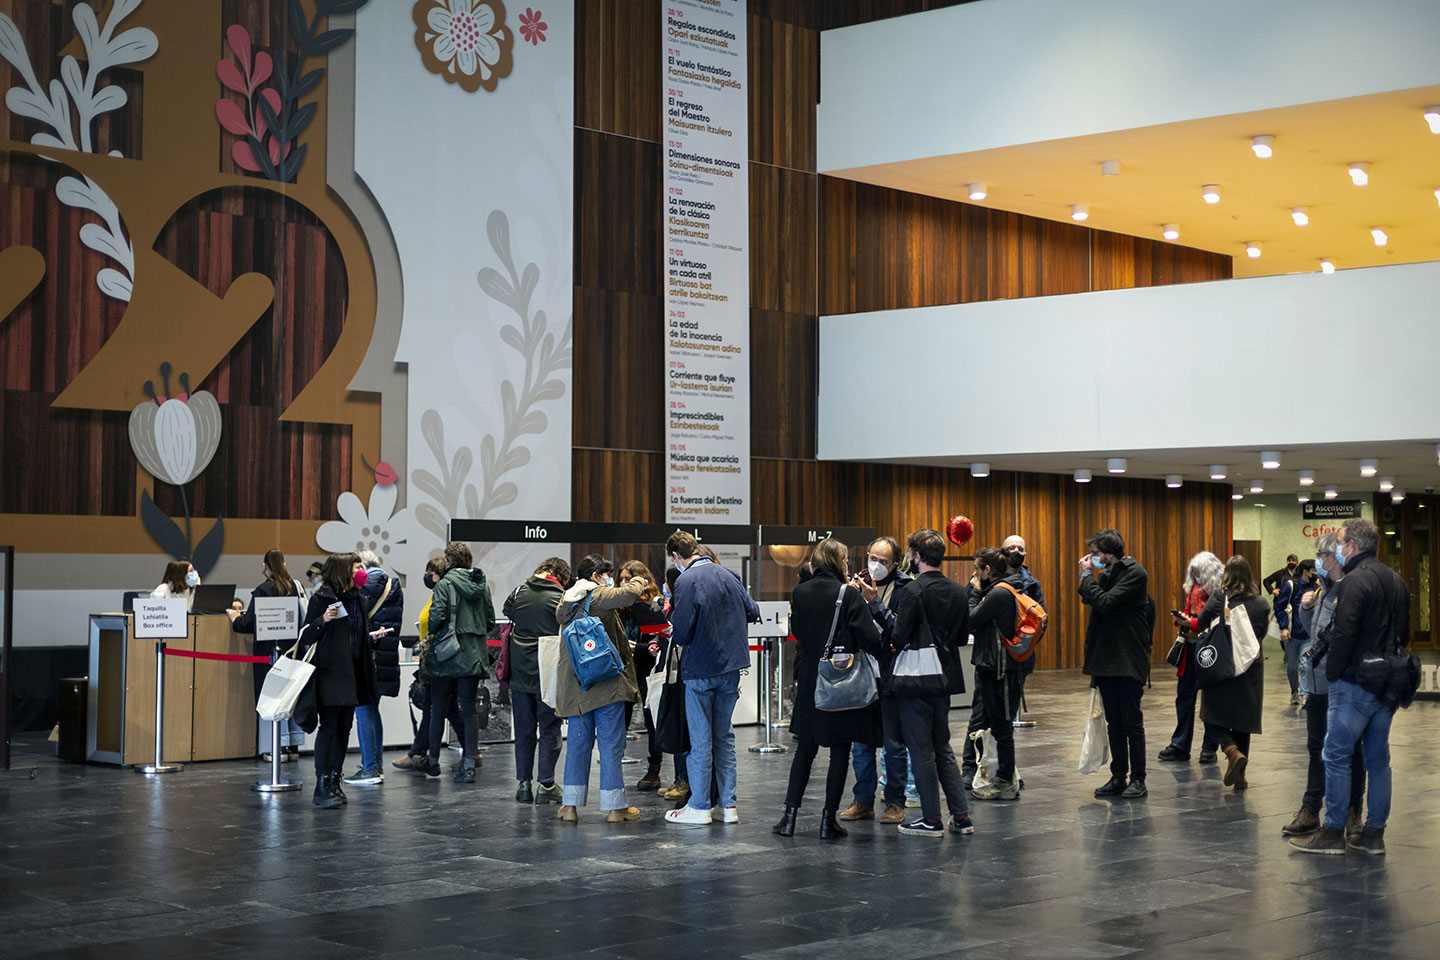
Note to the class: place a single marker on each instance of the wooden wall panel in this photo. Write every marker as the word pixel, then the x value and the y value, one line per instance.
pixel 620 361
pixel 618 234
pixel 784 87
pixel 782 239
pixel 784 380
pixel 620 486
pixel 1122 261
pixel 73 462
pixel 630 36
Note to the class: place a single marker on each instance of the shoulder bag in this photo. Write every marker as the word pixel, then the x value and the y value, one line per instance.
pixel 845 680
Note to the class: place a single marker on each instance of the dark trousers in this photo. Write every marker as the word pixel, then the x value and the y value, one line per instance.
pixel 535 724
pixel 421 746
pixel 1239 739
pixel 1126 723
pixel 1316 708
pixel 332 738
pixel 925 726
pixel 993 691
pixel 1186 693
pixel 464 689
pixel 800 764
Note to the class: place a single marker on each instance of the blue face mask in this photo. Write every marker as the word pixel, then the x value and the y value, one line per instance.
pixel 192 579
pixel 1096 562
pixel 1340 555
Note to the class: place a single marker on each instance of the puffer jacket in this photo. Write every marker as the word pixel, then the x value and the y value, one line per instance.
pixel 464 597
pixel 388 614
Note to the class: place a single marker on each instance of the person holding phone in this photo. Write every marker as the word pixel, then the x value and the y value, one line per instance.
pixel 277 583
pixel 385 607
pixel 1202 579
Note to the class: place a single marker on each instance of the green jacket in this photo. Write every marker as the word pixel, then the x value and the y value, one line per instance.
pixel 464 597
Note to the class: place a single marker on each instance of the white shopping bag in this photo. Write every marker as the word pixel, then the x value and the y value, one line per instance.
pixel 549 653
pixel 284 684
pixel 1095 745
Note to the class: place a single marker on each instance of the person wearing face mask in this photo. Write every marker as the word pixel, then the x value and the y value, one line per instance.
pixel 460 606
pixel 1233 708
pixel 312 576
pixel 1316 691
pixel 1273 582
pixel 415 758
pixel 385 602
pixel 531 611
pixel 993 615
pixel 276 583
pixel 1202 580
pixel 881 586
pixel 180 581
pixel 1292 626
pixel 1118 639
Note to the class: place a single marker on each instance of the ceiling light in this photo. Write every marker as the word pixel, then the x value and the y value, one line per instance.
pixel 1301 216
pixel 1210 193
pixel 1360 173
pixel 1257 485
pixel 1380 236
pixel 1252 250
pixel 1331 491
pixel 1082 476
pixel 977 191
pixel 1237 495
pixel 1171 231
pixel 1387 484
pixel 1368 468
pixel 1173 481
pixel 1397 495
pixel 979 469
pixel 1263 146
pixel 1217 471
pixel 1110 168
pixel 1307 477
pixel 1327 266
pixel 1437 195
pixel 1079 211
pixel 1116 464
pixel 1270 459
pixel 1303 496
pixel 1432 117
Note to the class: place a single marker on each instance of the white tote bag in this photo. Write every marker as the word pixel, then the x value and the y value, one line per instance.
pixel 549 653
pixel 1245 645
pixel 1095 745
pixel 284 683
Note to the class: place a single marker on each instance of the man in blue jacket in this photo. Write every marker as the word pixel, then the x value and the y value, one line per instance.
pixel 708 617
pixel 1293 634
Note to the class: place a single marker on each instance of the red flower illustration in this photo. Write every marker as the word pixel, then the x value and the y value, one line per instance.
pixel 532 28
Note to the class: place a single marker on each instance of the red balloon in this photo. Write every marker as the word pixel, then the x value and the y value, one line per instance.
pixel 959 530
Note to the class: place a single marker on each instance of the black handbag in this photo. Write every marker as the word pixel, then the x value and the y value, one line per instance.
pixel 672 730
pixel 1177 653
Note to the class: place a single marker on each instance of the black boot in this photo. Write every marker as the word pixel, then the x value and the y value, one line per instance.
pixel 1112 788
pixel 335 780
pixel 830 828
pixel 786 826
pixel 324 797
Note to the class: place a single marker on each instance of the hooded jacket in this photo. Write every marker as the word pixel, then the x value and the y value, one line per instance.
pixel 461 596
pixel 605 603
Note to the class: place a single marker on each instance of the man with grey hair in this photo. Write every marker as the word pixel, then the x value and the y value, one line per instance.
pixel 1372 620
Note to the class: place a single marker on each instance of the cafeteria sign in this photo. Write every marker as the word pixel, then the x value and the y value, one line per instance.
pixel 1331 510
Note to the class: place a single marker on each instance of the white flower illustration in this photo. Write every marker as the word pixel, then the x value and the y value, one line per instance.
pixel 465 41
pixel 176 438
pixel 394 536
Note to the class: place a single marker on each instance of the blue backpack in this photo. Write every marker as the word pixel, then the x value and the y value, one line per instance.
pixel 592 654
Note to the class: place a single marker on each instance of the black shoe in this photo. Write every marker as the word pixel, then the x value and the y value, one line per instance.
pixel 428 767
pixel 1171 755
pixel 962 825
pixel 830 828
pixel 465 773
pixel 1112 788
pixel 525 793
pixel 1134 790
pixel 1207 756
pixel 324 797
pixel 335 786
pixel 786 826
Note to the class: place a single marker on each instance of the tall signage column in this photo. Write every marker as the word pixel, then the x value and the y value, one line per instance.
pixel 707 262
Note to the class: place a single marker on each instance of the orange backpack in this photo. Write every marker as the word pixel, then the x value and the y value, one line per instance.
pixel 1030 622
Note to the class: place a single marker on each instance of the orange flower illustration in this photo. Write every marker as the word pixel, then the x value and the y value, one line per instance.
pixel 465 41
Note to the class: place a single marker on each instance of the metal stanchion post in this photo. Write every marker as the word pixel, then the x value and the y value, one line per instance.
pixel 780 720
pixel 766 694
pixel 276 785
pixel 160 766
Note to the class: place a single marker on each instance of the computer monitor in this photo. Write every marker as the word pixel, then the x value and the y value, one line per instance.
pixel 213 598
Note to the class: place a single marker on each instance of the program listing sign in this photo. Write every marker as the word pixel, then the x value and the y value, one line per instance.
pixel 707 266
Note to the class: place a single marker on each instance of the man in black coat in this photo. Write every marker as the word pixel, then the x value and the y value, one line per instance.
pixel 1117 653
pixel 993 615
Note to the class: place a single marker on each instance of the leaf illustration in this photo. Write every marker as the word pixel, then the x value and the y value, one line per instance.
pixel 333 7
pixel 232 118
pixel 87 28
pixel 503 495
pixel 58 101
pixel 244 155
pixel 261 157
pixel 472 500
pixel 70 73
pixel 459 470
pixel 431 519
pixel 270 113
pixel 507 400
pixel 308 82
pixel 432 428
pixel 122 9
pixel 497 227
pixel 300 120
pixel 100 240
pixel 132 46
pixel 114 284
pixel 238 39
pixel 74 192
pixel 47 140
pixel 549 390
pixel 329 40
pixel 496 287
pixel 515 459
pixel 533 422
pixel 428 484
pixel 231 77
pixel 166 532
pixel 293 161
pixel 528 281
pixel 24 103
pixel 263 67
pixel 12 48
pixel 487 455
pixel 109 98
pixel 298 25
pixel 208 550
pixel 510 335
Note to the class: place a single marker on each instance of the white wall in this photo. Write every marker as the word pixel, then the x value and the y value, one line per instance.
pixel 1004 72
pixel 1123 370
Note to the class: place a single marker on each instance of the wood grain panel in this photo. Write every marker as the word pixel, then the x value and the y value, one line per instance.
pixel 620 486
pixel 1122 261
pixel 784 380
pixel 784 87
pixel 782 239
pixel 71 462
pixel 618 227
pixel 631 40
pixel 589 63
pixel 619 370
pixel 847 13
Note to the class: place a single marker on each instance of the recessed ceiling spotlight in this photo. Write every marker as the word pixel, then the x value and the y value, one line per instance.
pixel 1368 468
pixel 1210 193
pixel 1116 464
pixel 1301 216
pixel 1387 484
pixel 977 191
pixel 1437 195
pixel 979 469
pixel 1307 478
pixel 1303 496
pixel 1171 231
pixel 1237 495
pixel 1257 485
pixel 1263 146
pixel 1217 471
pixel 1360 173
pixel 1331 491
pixel 1110 168
pixel 1079 212
pixel 1252 249
pixel 1327 266
pixel 1379 235
pixel 1270 459
pixel 1397 495
pixel 1082 475
pixel 1173 480
pixel 1432 117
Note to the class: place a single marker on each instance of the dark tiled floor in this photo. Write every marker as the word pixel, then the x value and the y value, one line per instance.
pixel 103 863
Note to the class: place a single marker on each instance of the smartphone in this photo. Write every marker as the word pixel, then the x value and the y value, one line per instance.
pixel 1177 613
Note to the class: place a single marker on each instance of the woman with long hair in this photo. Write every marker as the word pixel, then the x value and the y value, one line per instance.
pixel 344 667
pixel 1202 578
pixel 1233 707
pixel 648 632
pixel 276 583
pixel 531 611
pixel 180 581
pixel 460 606
pixel 813 609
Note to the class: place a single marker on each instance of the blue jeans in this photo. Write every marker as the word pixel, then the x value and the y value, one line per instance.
pixel 1292 663
pixel 1356 713
pixel 709 706
pixel 607 726
pixel 897 761
pixel 372 737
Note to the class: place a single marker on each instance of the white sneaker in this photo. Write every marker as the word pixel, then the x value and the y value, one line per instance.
pixel 688 816
pixel 725 815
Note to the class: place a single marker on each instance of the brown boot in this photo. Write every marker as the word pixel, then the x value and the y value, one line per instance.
pixel 651 780
pixel 858 811
pixel 1304 823
pixel 1354 826
pixel 894 813
pixel 1235 766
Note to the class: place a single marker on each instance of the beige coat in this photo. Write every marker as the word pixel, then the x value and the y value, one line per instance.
pixel 606 603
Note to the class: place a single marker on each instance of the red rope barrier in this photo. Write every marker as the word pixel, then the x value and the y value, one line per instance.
pixel 229 657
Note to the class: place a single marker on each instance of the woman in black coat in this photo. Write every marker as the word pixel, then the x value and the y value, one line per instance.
pixel 277 583
pixel 812 609
pixel 1233 707
pixel 344 667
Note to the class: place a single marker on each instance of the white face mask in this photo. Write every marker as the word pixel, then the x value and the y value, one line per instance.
pixel 192 579
pixel 878 570
pixel 609 580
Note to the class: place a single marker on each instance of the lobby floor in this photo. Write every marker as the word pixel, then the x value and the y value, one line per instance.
pixel 104 863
